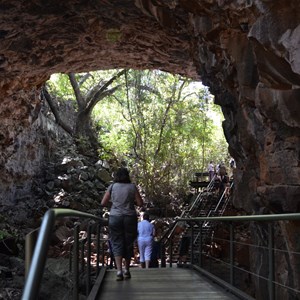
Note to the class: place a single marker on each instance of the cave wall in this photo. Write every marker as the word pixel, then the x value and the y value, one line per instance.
pixel 252 67
pixel 246 51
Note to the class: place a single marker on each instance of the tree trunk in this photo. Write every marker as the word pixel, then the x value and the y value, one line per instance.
pixel 53 106
pixel 85 135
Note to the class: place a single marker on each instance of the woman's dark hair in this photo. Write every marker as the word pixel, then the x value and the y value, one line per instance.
pixel 122 176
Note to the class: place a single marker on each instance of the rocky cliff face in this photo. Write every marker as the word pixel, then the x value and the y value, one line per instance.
pixel 246 51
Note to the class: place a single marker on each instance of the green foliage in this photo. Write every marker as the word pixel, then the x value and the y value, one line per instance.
pixel 83 142
pixel 4 234
pixel 164 126
pixel 59 85
pixel 159 124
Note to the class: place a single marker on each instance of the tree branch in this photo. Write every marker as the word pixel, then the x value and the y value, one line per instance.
pixel 84 78
pixel 80 101
pixel 166 114
pixel 55 112
pixel 99 97
pixel 102 92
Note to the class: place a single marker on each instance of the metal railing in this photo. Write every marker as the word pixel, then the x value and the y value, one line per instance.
pixel 167 239
pixel 261 281
pixel 199 197
pixel 80 252
pixel 186 212
pixel 216 211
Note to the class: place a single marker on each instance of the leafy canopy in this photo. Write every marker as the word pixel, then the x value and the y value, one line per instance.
pixel 165 127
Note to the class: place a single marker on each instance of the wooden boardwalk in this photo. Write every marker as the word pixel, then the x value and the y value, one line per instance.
pixel 161 284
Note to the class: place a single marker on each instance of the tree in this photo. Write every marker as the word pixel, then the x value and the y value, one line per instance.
pixel 88 90
pixel 158 131
pixel 161 125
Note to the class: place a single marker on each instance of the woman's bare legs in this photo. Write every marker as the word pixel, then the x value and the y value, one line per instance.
pixel 127 264
pixel 118 260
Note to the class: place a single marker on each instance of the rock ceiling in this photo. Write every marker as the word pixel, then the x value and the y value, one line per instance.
pixel 246 51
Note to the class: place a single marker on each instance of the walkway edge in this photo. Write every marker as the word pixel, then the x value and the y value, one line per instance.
pixel 224 284
pixel 95 290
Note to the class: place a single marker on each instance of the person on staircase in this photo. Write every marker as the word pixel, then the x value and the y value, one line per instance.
pixel 232 165
pixel 224 181
pixel 146 233
pixel 122 225
pixel 211 170
pixel 185 242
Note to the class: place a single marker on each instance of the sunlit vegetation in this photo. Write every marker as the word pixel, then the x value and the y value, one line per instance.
pixel 163 127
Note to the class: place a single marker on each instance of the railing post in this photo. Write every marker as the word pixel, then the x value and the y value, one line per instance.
pixel 34 276
pixel 162 255
pixel 171 252
pixel 70 258
pixel 103 253
pixel 98 249
pixel 271 286
pixel 30 241
pixel 38 261
pixel 231 230
pixel 75 263
pixel 192 243
pixel 81 255
pixel 200 244
pixel 88 261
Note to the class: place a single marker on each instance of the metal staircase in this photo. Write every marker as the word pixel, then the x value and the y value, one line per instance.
pixel 216 210
pixel 208 203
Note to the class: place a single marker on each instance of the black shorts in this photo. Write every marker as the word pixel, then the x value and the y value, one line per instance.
pixel 123 233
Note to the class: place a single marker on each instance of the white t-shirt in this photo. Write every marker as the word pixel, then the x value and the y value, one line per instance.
pixel 210 168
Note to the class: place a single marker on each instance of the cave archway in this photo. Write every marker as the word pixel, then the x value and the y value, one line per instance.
pixel 247 52
pixel 251 66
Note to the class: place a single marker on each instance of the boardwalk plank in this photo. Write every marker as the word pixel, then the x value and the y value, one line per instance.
pixel 162 284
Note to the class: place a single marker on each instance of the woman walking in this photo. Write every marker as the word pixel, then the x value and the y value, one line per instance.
pixel 122 219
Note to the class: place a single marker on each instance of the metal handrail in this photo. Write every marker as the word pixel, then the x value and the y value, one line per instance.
pixel 216 209
pixel 199 197
pixel 34 276
pixel 273 217
pixel 187 211
pixel 270 279
pixel 167 237
pixel 220 201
